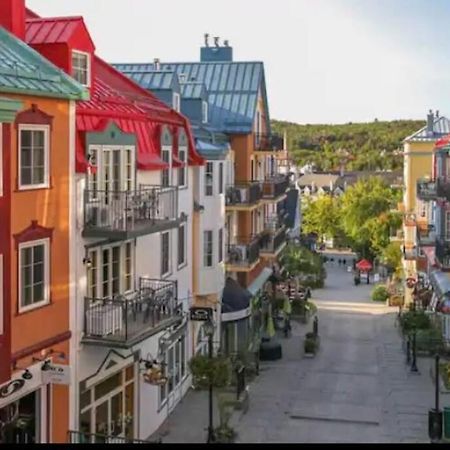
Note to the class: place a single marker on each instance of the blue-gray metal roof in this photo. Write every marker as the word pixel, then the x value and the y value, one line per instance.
pixel 25 71
pixel 233 89
pixel 193 90
pixel 212 151
pixel 441 128
pixel 155 80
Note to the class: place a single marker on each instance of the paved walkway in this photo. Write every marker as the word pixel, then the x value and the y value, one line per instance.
pixel 357 389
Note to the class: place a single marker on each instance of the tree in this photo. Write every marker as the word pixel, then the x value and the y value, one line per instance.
pixel 365 215
pixel 321 216
pixel 392 256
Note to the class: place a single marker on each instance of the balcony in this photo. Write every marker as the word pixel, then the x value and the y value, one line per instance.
pixel 273 239
pixel 410 253
pixel 443 252
pixel 426 236
pixel 244 195
pixel 426 190
pixel 124 320
pixel 443 188
pixel 275 187
pixel 122 215
pixel 243 254
pixel 268 142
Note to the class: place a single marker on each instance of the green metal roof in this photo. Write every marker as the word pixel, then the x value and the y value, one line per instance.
pixel 25 71
pixel 8 109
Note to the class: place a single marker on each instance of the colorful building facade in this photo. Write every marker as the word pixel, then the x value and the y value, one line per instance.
pixel 37 146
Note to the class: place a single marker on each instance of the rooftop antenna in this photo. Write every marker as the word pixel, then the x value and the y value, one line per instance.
pixel 216 41
pixel 206 40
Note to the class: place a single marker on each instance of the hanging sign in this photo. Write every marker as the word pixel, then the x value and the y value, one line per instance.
pixel 56 373
pixel 201 314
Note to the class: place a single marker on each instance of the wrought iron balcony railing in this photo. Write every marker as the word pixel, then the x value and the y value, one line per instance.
pixel 244 193
pixel 128 214
pixel 268 142
pixel 443 252
pixel 274 187
pixel 426 190
pixel 272 241
pixel 124 320
pixel 79 437
pixel 427 236
pixel 244 252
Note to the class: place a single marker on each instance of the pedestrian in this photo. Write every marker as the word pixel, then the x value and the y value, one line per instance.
pixel 339 261
pixel 344 261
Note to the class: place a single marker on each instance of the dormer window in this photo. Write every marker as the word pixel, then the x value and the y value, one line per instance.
pixel 81 67
pixel 176 101
pixel 204 112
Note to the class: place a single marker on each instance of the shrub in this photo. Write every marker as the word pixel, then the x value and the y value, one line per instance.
pixel 310 345
pixel 414 320
pixel 204 369
pixel 380 294
pixel 429 340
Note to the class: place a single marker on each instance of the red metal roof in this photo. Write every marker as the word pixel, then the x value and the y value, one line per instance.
pixel 443 142
pixel 54 30
pixel 114 97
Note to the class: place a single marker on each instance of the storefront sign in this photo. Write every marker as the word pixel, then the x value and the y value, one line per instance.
pixel 201 314
pixel 56 373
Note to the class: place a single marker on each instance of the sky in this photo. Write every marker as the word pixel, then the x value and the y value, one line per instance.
pixel 326 61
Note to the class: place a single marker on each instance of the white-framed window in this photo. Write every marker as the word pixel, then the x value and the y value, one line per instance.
pixel 115 169
pixel 166 155
pixel 165 253
pixel 34 155
pixel 221 178
pixel 81 67
pixel 182 245
pixel 1 160
pixel 447 225
pixel 204 112
pixel 208 248
pixel 182 171
pixel 209 179
pixel 175 359
pixel 220 245
pixel 176 101
pixel 111 270
pixel 34 274
pixel 1 294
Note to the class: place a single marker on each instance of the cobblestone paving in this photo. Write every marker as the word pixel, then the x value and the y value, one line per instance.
pixel 357 389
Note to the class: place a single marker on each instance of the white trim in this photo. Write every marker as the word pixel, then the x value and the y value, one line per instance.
pixel 236 315
pixel 46 183
pixel 73 273
pixel 46 301
pixel 88 66
pixel 167 148
pixel 204 112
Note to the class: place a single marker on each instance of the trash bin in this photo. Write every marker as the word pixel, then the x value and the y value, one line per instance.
pixel 435 425
pixel 447 422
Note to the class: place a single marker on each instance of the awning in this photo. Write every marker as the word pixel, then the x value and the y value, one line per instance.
pixel 234 297
pixel 440 282
pixel 259 281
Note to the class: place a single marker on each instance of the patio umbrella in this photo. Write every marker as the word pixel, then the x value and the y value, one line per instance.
pixel 364 265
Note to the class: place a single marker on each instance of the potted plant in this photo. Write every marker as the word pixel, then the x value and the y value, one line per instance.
pixel 311 344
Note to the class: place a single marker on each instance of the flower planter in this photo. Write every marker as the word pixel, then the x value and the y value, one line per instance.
pixel 311 345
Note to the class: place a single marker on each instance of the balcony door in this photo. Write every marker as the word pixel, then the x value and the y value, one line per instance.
pixel 114 169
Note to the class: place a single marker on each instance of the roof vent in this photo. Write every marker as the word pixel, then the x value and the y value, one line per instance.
pixel 206 40
pixel 226 43
pixel 437 113
pixel 216 41
pixel 157 64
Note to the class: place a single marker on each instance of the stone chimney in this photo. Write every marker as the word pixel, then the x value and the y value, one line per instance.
pixel 430 122
pixel 12 17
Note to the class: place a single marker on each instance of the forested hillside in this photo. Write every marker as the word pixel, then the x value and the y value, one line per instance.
pixel 364 146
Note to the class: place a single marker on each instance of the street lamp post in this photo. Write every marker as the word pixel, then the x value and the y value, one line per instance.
pixel 209 330
pixel 414 355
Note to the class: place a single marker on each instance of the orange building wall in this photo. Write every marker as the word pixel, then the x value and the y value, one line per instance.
pixel 50 207
pixel 243 148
